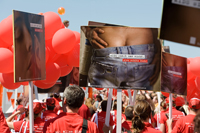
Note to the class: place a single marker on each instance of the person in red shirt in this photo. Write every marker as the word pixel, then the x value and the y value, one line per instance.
pixel 49 113
pixel 57 98
pixel 185 124
pixel 84 112
pixel 23 125
pixel 163 107
pixel 175 116
pixel 3 125
pixel 126 124
pixel 70 121
pixel 20 100
pixel 142 114
pixel 99 118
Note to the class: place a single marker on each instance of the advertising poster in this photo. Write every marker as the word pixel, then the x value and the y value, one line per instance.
pixel 74 76
pixel 174 74
pixel 180 21
pixel 120 57
pixel 29 46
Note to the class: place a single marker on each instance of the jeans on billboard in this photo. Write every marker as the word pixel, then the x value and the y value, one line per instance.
pixel 112 72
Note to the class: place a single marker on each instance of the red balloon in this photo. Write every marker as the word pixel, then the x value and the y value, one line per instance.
pixel 52 73
pixel 52 24
pixel 62 26
pixel 192 90
pixel 73 56
pixel 6 33
pixel 62 62
pixel 7 80
pixel 190 75
pixel 77 34
pixel 63 41
pixel 24 83
pixel 43 85
pixel 65 70
pixel 194 66
pixel 47 54
pixel 3 44
pixel 6 60
pixel 197 82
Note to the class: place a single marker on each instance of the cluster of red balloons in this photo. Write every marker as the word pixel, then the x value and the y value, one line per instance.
pixel 62 51
pixel 193 78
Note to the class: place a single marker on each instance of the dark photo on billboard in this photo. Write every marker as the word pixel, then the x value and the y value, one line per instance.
pixel 122 58
pixel 174 74
pixel 180 21
pixel 29 46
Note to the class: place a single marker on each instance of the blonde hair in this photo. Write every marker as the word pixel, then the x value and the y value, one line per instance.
pixel 88 102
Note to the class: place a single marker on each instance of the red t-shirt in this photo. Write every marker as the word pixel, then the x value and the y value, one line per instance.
pixel 57 105
pixel 3 125
pixel 49 114
pixel 115 116
pixel 126 124
pixel 68 122
pixel 101 120
pixel 38 125
pixel 184 125
pixel 149 129
pixel 175 116
pixel 21 116
pixel 156 117
pixel 84 112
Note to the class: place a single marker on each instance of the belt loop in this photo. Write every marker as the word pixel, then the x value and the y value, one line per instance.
pixel 118 50
pixel 129 50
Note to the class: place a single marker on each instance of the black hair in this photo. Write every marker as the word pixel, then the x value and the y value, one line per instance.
pixel 50 107
pixel 104 105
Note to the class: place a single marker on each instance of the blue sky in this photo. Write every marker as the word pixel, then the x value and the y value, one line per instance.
pixel 135 13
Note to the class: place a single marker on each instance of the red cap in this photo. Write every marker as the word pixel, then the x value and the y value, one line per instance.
pixel 194 103
pixel 50 102
pixel 37 107
pixel 167 99
pixel 179 101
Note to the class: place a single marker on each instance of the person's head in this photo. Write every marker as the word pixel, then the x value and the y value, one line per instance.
pixel 73 97
pixel 155 99
pixel 66 23
pixel 88 102
pixel 194 105
pixel 142 112
pixel 99 98
pixel 50 102
pixel 37 109
pixel 163 105
pixel 129 113
pixel 197 123
pixel 173 101
pixel 20 100
pixel 104 105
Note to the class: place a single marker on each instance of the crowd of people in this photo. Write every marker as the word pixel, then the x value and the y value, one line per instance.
pixel 74 114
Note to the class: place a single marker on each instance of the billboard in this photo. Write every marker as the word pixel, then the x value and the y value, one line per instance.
pixel 120 57
pixel 180 22
pixel 29 46
pixel 174 74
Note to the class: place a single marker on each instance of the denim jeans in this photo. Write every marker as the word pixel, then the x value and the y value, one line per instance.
pixel 174 79
pixel 115 72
